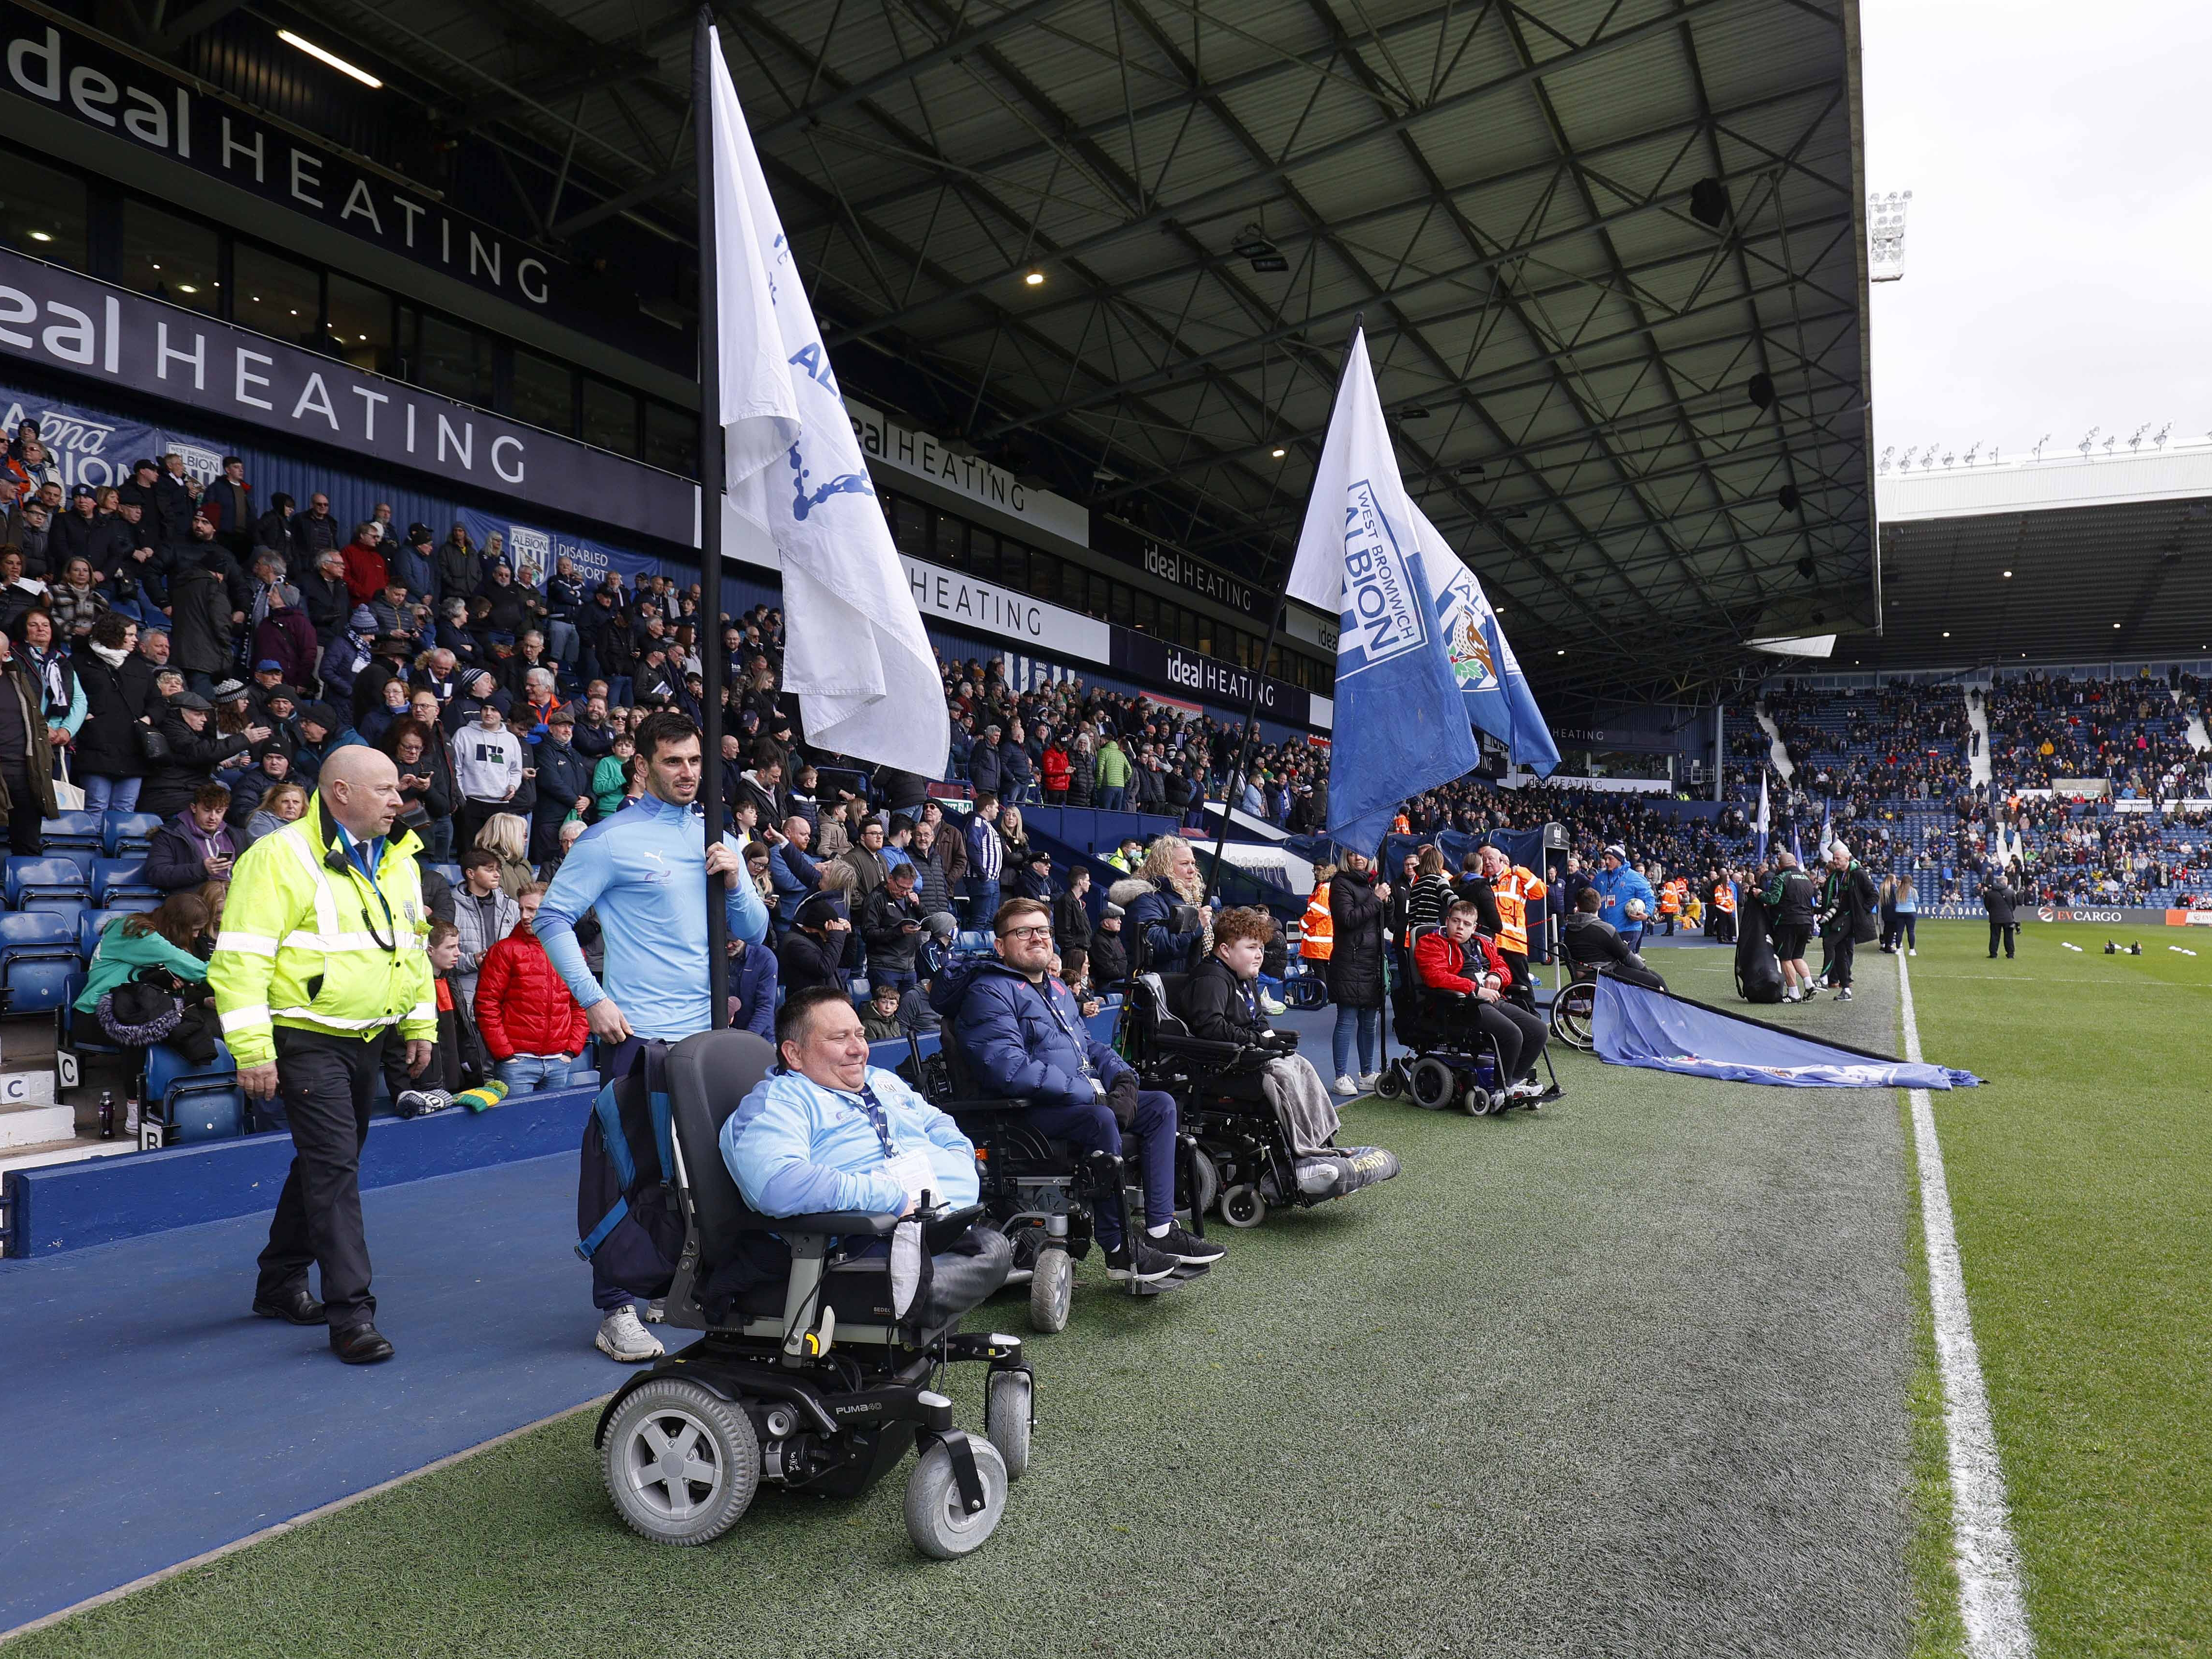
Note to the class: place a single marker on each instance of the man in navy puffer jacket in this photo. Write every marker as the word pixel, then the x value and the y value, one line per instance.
pixel 1022 1034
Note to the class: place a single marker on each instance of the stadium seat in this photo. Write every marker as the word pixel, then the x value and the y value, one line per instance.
pixel 40 968
pixel 45 884
pixel 452 873
pixel 194 1103
pixel 74 830
pixel 116 880
pixel 128 834
pixel 82 857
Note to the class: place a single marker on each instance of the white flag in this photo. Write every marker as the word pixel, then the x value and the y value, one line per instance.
pixel 798 491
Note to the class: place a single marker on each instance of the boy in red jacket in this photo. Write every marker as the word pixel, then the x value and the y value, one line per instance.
pixel 1457 958
pixel 529 1021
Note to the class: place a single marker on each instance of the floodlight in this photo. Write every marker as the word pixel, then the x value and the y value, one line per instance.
pixel 1885 235
pixel 331 57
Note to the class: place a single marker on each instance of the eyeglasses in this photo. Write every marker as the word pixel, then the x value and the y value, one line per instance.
pixel 1027 932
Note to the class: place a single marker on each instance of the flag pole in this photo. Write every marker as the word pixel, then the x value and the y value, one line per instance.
pixel 713 658
pixel 1274 621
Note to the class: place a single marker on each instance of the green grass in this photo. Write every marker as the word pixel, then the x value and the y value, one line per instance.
pixel 2081 1179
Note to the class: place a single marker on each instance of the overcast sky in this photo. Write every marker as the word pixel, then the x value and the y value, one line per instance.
pixel 2058 248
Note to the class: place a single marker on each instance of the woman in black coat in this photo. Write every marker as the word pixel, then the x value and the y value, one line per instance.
pixel 118 694
pixel 1357 905
pixel 196 749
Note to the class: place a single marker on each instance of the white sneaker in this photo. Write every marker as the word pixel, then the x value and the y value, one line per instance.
pixel 1526 1089
pixel 656 1311
pixel 130 1120
pixel 1914 952
pixel 1268 1005
pixel 1345 1085
pixel 621 1337
pixel 1367 1081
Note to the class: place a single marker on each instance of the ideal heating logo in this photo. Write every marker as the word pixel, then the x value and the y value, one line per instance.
pixel 1382 615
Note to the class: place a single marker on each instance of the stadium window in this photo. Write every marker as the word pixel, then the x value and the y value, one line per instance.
pixel 909 525
pixel 1144 618
pixel 1044 575
pixel 361 324
pixel 170 259
pixel 273 295
pixel 455 361
pixel 1124 605
pixel 672 438
pixel 1188 633
pixel 544 393
pixel 1099 596
pixel 42 213
pixel 1201 639
pixel 1013 565
pixel 1074 585
pixel 982 552
pixel 949 544
pixel 610 417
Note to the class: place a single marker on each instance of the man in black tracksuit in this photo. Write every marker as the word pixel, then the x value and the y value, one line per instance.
pixel 1790 900
pixel 1998 898
pixel 1847 908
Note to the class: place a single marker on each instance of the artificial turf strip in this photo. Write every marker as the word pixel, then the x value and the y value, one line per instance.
pixel 2081 1184
pixel 1629 1377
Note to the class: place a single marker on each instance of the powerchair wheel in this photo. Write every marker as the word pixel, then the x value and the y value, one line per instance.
pixel 1432 1085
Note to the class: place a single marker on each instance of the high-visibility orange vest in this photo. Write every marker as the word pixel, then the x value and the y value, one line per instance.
pixel 1317 933
pixel 1724 898
pixel 1513 890
pixel 1670 900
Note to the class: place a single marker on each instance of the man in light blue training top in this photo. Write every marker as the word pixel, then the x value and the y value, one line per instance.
pixel 641 870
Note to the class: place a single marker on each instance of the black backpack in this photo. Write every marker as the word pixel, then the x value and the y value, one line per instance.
pixel 628 1220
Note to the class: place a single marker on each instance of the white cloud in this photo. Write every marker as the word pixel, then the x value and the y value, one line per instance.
pixel 2058 250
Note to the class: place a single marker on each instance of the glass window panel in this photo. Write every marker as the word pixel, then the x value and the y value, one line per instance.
pixel 1202 635
pixel 42 211
pixel 1044 575
pixel 1187 628
pixel 1147 619
pixel 1101 602
pixel 671 438
pixel 909 527
pixel 276 296
pixel 169 257
pixel 361 324
pixel 1074 585
pixel 951 546
pixel 544 393
pixel 1013 565
pixel 456 361
pixel 1124 606
pixel 609 416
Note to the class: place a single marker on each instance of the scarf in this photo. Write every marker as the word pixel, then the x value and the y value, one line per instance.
pixel 112 659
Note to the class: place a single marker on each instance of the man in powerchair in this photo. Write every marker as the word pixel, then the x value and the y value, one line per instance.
pixel 1457 958
pixel 826 1132
pixel 1021 1034
pixel 1219 1003
pixel 1590 942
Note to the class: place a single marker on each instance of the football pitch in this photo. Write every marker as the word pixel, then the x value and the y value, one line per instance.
pixel 1648 1373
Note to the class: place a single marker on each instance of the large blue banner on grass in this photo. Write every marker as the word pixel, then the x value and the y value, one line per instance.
pixel 1633 1026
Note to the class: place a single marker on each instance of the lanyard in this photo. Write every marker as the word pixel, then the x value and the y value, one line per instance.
pixel 877 1120
pixel 1075 1036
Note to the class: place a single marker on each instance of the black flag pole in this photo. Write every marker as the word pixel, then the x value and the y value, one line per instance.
pixel 1274 621
pixel 712 657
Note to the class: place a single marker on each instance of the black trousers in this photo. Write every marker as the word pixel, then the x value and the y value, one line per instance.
pixel 1521 1037
pixel 326 1083
pixel 2007 931
pixel 1841 950
pixel 26 822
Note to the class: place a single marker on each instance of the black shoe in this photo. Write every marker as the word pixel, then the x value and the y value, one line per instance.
pixel 1139 1261
pixel 293 1305
pixel 360 1344
pixel 1181 1247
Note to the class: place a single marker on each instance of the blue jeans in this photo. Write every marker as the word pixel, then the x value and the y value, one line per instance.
pixel 528 1073
pixel 1092 1129
pixel 982 902
pixel 904 978
pixel 1632 938
pixel 111 795
pixel 561 641
pixel 1109 797
pixel 1369 1023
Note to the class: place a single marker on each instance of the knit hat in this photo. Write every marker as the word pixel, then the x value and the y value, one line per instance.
pixel 363 620
pixel 229 689
pixel 319 714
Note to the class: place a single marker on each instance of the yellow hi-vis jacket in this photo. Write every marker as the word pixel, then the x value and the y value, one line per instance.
pixel 307 942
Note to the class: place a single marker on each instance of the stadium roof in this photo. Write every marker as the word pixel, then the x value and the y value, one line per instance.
pixel 1610 254
pixel 2075 559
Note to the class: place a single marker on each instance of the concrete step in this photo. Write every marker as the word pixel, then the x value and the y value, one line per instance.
pixel 29 1125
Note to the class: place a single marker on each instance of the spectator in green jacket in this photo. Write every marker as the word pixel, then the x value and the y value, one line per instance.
pixel 611 776
pixel 1113 773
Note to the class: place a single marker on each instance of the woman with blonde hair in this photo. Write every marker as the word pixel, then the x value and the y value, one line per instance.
pixel 507 836
pixel 1166 881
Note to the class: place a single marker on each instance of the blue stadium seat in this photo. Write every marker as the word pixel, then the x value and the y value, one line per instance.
pixel 44 884
pixel 73 829
pixel 128 834
pixel 194 1103
pixel 90 925
pixel 39 964
pixel 82 857
pixel 114 880
pixel 452 873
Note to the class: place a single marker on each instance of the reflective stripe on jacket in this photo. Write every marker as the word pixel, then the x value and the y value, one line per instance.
pixel 1514 890
pixel 1317 932
pixel 314 948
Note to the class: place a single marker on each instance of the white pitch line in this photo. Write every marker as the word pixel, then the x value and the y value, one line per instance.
pixel 1990 1598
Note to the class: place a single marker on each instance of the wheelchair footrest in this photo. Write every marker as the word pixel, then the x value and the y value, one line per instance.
pixel 1324 1176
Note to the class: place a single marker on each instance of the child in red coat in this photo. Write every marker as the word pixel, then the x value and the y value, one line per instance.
pixel 1457 958
pixel 531 1024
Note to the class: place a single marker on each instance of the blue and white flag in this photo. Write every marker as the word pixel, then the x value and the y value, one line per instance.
pixel 798 494
pixel 1758 857
pixel 1400 723
pixel 1633 1026
pixel 1827 828
pixel 1498 699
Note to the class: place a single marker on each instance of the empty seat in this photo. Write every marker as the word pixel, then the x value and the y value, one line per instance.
pixel 82 830
pixel 126 833
pixel 121 878
pixel 39 962
pixel 194 1103
pixel 82 857
pixel 47 884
